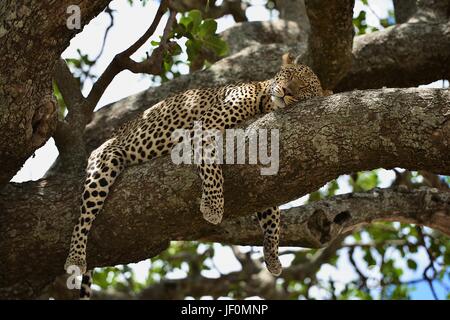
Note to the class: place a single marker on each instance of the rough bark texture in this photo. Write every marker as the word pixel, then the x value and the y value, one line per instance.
pixel 403 55
pixel 327 221
pixel 331 39
pixel 316 224
pixel 280 32
pixel 294 10
pixel 33 33
pixel 154 203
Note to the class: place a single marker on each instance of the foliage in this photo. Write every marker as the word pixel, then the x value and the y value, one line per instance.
pixel 360 20
pixel 385 260
pixel 198 35
pixel 82 67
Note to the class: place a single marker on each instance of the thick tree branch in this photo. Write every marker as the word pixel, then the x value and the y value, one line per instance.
pixel 433 10
pixel 318 223
pixel 294 10
pixel 209 9
pixel 69 131
pixel 345 212
pixel 33 34
pixel 380 58
pixel 156 202
pixel 331 39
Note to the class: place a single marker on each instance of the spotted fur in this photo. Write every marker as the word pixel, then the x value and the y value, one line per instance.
pixel 150 136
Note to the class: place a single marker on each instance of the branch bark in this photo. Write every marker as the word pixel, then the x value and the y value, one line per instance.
pixel 33 34
pixel 342 214
pixel 380 58
pixel 331 39
pixel 156 202
pixel 317 224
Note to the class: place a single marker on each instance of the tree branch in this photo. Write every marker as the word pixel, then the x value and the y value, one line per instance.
pixel 123 61
pixel 380 59
pixel 433 10
pixel 32 40
pixel 325 220
pixel 319 140
pixel 331 39
pixel 294 10
pixel 209 9
pixel 69 132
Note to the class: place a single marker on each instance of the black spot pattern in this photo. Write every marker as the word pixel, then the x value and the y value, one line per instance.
pixel 150 136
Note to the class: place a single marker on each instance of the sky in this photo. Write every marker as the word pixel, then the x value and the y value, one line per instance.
pixel 129 23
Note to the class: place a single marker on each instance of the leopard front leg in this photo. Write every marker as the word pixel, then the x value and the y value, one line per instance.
pixel 211 205
pixel 269 220
pixel 210 128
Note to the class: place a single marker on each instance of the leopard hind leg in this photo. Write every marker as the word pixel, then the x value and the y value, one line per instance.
pixel 86 283
pixel 269 220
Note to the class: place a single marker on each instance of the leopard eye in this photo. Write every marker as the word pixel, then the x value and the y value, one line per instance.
pixel 288 91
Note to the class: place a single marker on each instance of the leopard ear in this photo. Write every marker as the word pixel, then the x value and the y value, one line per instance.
pixel 288 58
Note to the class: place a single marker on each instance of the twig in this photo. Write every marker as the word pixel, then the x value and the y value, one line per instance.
pixel 244 259
pixel 364 278
pixel 153 64
pixel 430 265
pixel 109 11
pixel 68 85
pixel 122 61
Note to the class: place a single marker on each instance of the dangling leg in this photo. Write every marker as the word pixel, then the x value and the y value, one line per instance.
pixel 86 282
pixel 205 146
pixel 269 220
pixel 104 165
pixel 212 192
pixel 216 119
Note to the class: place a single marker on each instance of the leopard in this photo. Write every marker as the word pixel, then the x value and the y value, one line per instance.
pixel 150 135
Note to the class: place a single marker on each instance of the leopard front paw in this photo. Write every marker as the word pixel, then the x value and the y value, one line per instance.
pixel 212 211
pixel 75 262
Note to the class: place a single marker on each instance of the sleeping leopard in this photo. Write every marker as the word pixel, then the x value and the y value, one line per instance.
pixel 150 136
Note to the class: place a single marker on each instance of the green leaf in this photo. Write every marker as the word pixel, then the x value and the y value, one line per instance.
pixel 184 22
pixel 192 49
pixel 196 18
pixel 207 28
pixel 60 99
pixel 369 257
pixel 177 50
pixel 219 46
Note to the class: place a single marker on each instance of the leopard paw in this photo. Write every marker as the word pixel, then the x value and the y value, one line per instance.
pixel 274 267
pixel 75 261
pixel 211 212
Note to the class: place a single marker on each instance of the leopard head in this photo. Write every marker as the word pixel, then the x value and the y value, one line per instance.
pixel 294 83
